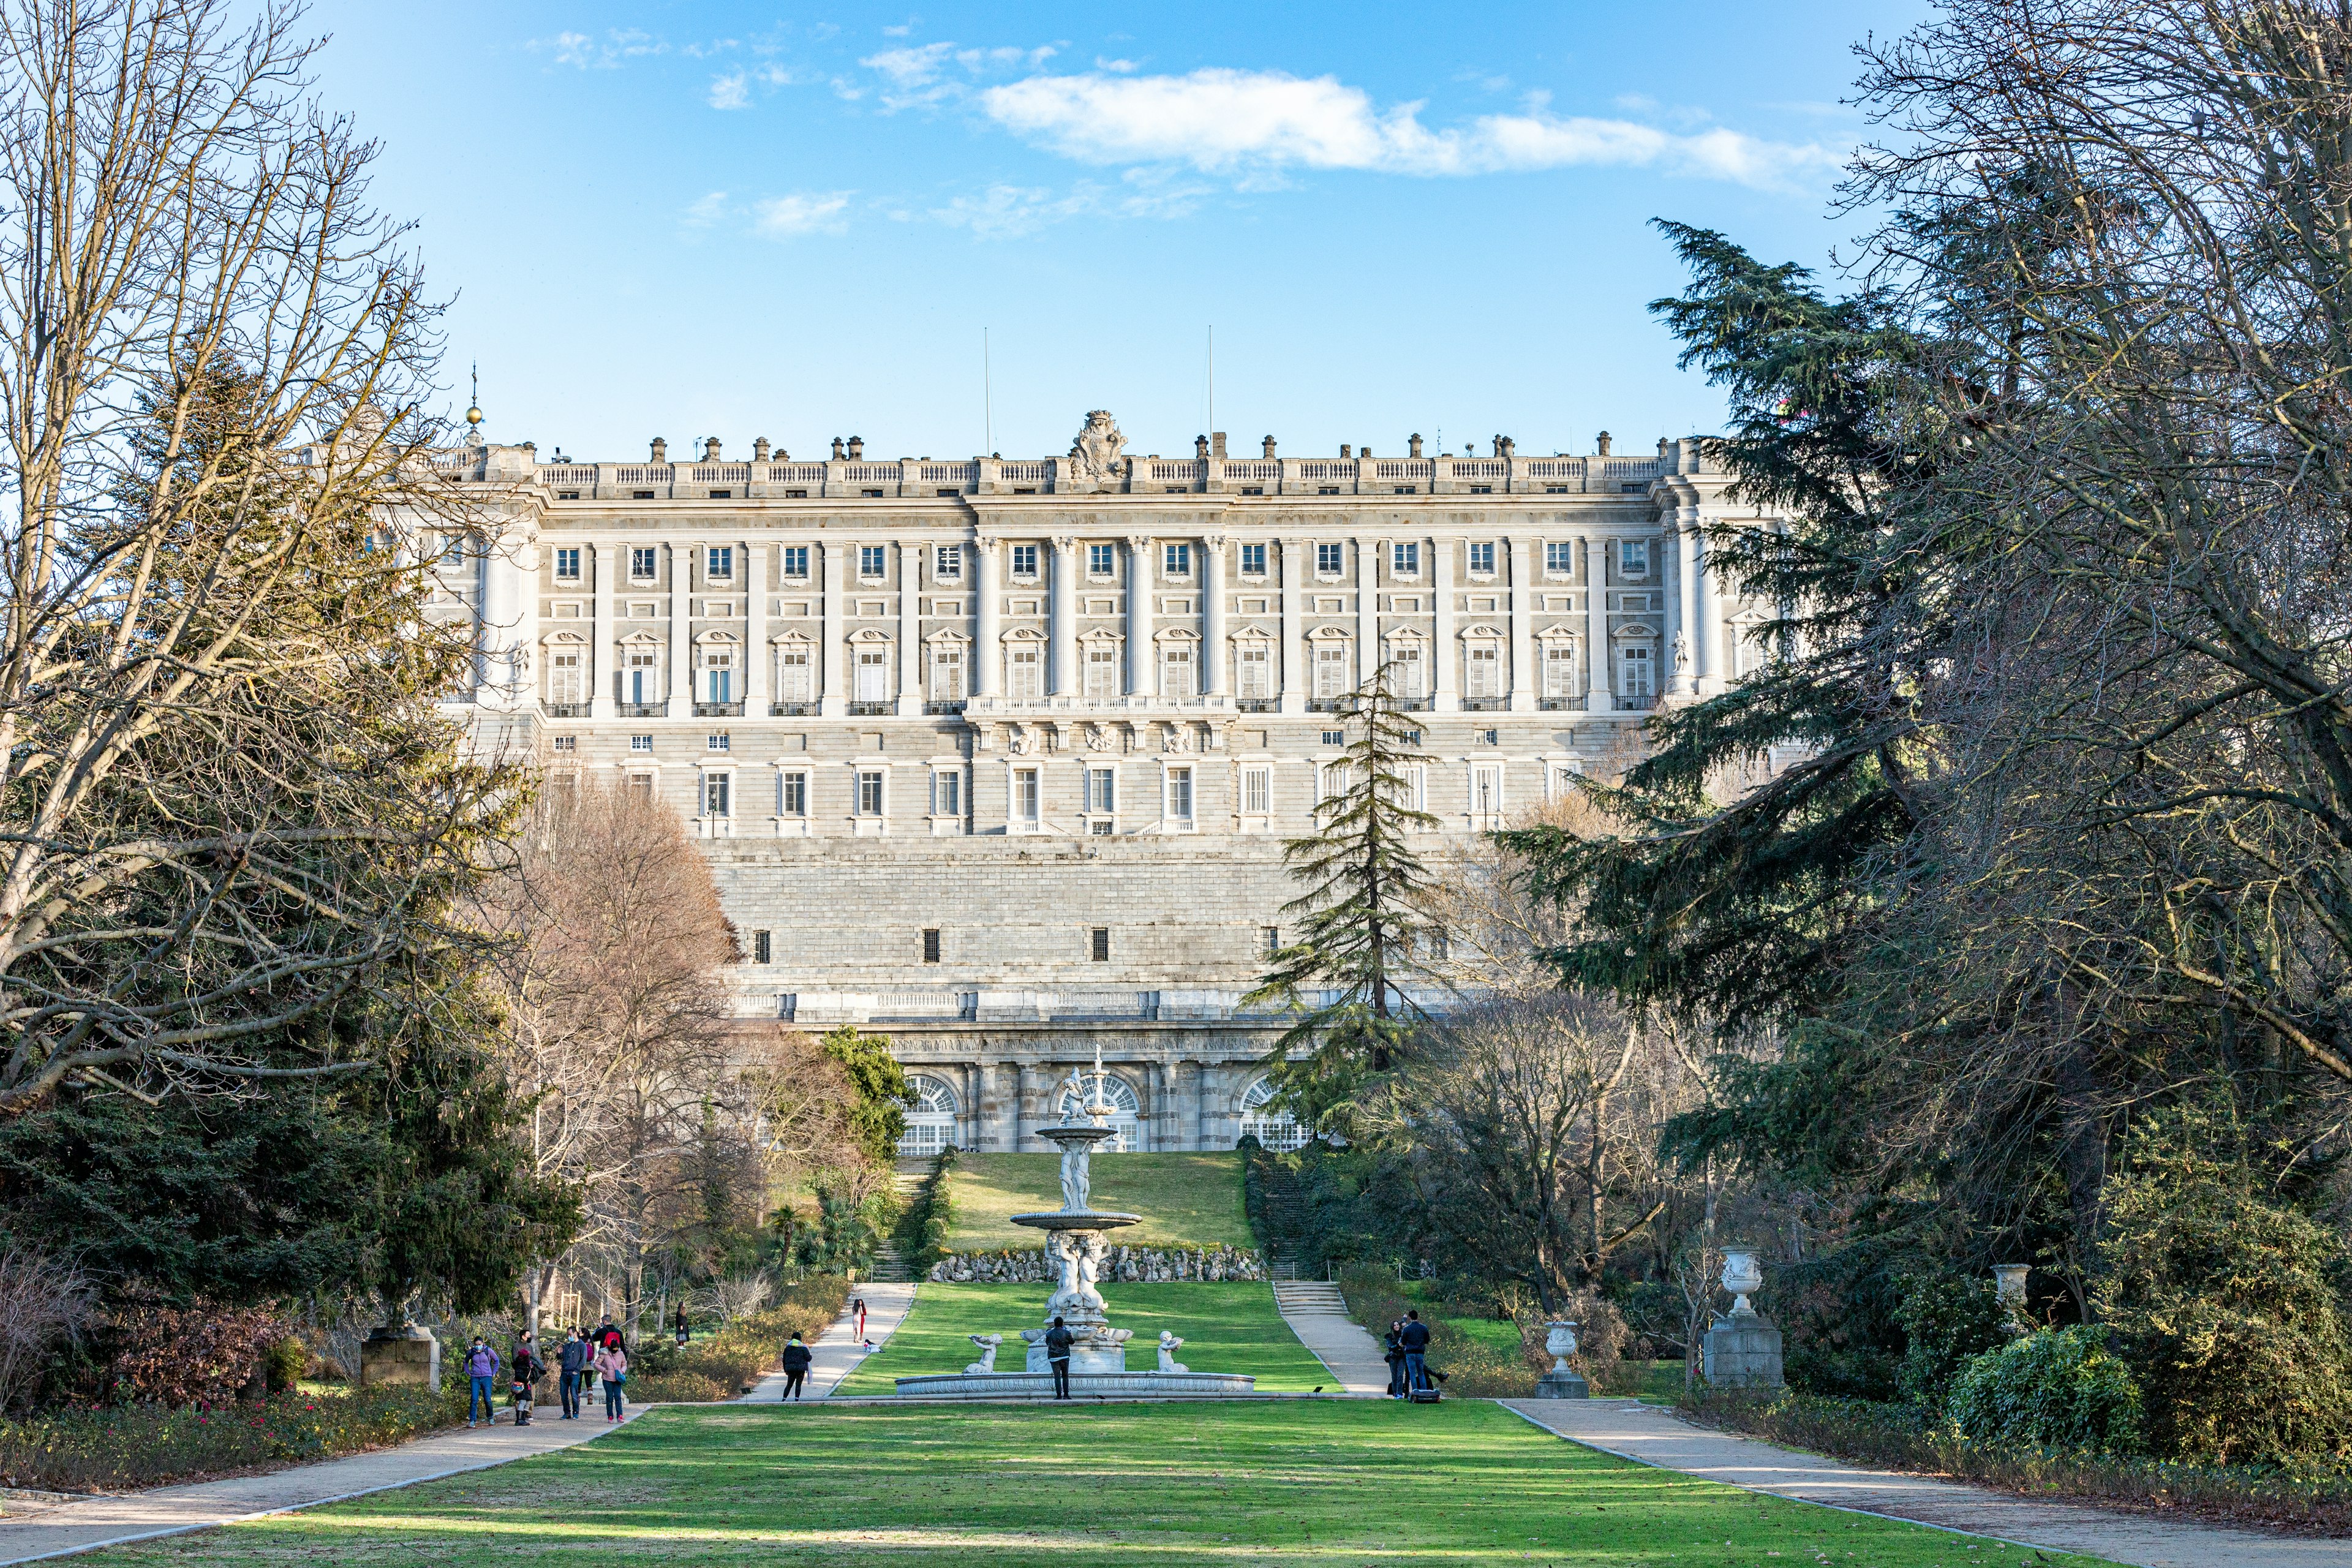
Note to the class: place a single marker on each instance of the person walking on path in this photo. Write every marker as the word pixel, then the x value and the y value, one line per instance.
pixel 1392 1348
pixel 481 1376
pixel 609 1338
pixel 569 1362
pixel 613 1366
pixel 587 1364
pixel 1415 1343
pixel 796 1358
pixel 1058 1340
pixel 857 1306
pixel 526 1373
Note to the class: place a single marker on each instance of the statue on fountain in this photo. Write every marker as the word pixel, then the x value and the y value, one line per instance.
pixel 1169 1345
pixel 1078 1254
pixel 988 1345
pixel 1074 1178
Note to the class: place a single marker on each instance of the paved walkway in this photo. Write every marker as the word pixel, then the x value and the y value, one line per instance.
pixel 836 1349
pixel 1658 1437
pixel 34 1530
pixel 1349 1353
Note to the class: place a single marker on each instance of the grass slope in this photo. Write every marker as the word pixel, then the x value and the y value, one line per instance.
pixel 1226 1327
pixel 1312 1485
pixel 1190 1198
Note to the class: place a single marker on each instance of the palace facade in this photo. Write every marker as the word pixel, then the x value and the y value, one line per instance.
pixel 997 756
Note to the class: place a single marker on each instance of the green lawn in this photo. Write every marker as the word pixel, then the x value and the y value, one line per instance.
pixel 1226 1327
pixel 1309 1484
pixel 1190 1198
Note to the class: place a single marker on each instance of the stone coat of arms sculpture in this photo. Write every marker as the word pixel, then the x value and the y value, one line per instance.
pixel 1095 455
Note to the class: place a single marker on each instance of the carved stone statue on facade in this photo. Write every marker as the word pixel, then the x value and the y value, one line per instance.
pixel 1097 738
pixel 1094 456
pixel 1020 743
pixel 1682 653
pixel 1174 740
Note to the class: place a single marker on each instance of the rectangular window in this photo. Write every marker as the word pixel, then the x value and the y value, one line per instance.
pixel 1636 676
pixel 567 743
pixel 1482 558
pixel 1253 560
pixel 1335 737
pixel 1025 673
pixel 1024 560
pixel 1257 791
pixel 1102 790
pixel 1486 791
pixel 453 549
pixel 642 568
pixel 947 675
pixel 1331 669
pixel 1098 943
pixel 641 681
pixel 722 741
pixel 870 792
pixel 642 786
pixel 1404 558
pixel 1255 663
pixel 1484 670
pixel 1559 670
pixel 796 561
pixel 1102 671
pixel 1024 795
pixel 1180 794
pixel 793 676
pixel 1331 560
pixel 719 677
pixel 947 564
pixel 931 945
pixel 763 948
pixel 791 794
pixel 566 681
pixel 873 675
pixel 567 566
pixel 1634 557
pixel 1270 941
pixel 1559 558
pixel 1102 560
pixel 1176 670
pixel 641 743
pixel 1176 561
pixel 1407 680
pixel 873 561
pixel 1330 782
pixel 947 792
pixel 718 562
pixel 716 788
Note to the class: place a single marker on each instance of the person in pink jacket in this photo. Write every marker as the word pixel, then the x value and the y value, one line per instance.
pixel 612 1367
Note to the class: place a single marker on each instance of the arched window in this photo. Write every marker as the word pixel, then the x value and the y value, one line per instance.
pixel 1126 1111
pixel 1277 1130
pixel 932 1122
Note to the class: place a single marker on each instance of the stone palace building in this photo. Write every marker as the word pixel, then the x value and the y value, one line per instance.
pixel 997 756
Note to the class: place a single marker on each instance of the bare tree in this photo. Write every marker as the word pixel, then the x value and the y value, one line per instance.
pixel 225 797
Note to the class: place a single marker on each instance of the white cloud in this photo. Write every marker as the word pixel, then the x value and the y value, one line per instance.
pixel 706 210
pixel 732 90
pixel 590 53
pixel 902 29
pixel 782 217
pixel 1234 121
pixel 919 77
pixel 1123 67
pixel 1008 212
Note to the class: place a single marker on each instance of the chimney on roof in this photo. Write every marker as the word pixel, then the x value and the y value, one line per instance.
pixel 711 449
pixel 856 448
pixel 837 448
pixel 1416 443
pixel 759 450
pixel 1269 446
pixel 1346 450
pixel 660 451
pixel 1601 447
pixel 1201 447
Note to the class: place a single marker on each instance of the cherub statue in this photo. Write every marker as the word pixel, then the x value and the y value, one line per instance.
pixel 988 1345
pixel 1074 1178
pixel 1168 1347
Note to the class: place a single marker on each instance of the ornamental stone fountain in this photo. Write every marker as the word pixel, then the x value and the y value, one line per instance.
pixel 1074 1245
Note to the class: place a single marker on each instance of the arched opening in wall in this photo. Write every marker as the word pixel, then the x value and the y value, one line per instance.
pixel 1126 1111
pixel 1276 1130
pixel 932 1122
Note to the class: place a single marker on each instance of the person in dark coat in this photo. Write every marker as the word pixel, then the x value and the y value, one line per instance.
pixel 1393 1354
pixel 797 1357
pixel 527 1370
pixel 1414 1342
pixel 1058 1340
pixel 569 1361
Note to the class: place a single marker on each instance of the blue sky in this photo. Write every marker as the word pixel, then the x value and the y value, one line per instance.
pixel 730 220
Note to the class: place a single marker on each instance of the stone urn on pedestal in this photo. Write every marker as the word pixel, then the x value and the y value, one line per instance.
pixel 402 1351
pixel 2009 1291
pixel 1742 1350
pixel 1561 1382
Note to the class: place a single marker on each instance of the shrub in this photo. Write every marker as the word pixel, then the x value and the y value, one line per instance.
pixel 2060 1388
pixel 45 1304
pixel 716 1367
pixel 200 1354
pixel 2221 1299
pixel 1948 1320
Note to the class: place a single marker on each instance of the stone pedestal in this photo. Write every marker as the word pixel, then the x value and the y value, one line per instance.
pixel 407 1353
pixel 1743 1351
pixel 1558 1384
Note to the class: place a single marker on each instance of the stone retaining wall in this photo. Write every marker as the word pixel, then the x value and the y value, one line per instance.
pixel 1126 1265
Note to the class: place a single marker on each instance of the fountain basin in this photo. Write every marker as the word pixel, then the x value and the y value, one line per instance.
pixel 1083 1385
pixel 1077 1219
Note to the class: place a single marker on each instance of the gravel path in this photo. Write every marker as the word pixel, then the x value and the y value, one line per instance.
pixel 836 1349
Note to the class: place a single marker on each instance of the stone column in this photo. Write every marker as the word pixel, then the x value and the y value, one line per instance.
pixel 1441 636
pixel 506 622
pixel 1165 1133
pixel 604 662
pixel 1140 680
pixel 1296 679
pixel 910 627
pixel 1200 1106
pixel 681 628
pixel 755 631
pixel 1706 644
pixel 830 698
pixel 988 647
pixel 1367 608
pixel 1598 675
pixel 1212 615
pixel 1017 1116
pixel 1062 651
pixel 1684 609
pixel 1525 681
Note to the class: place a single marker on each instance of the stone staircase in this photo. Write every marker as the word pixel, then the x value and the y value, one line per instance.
pixel 889 1265
pixel 1311 1295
